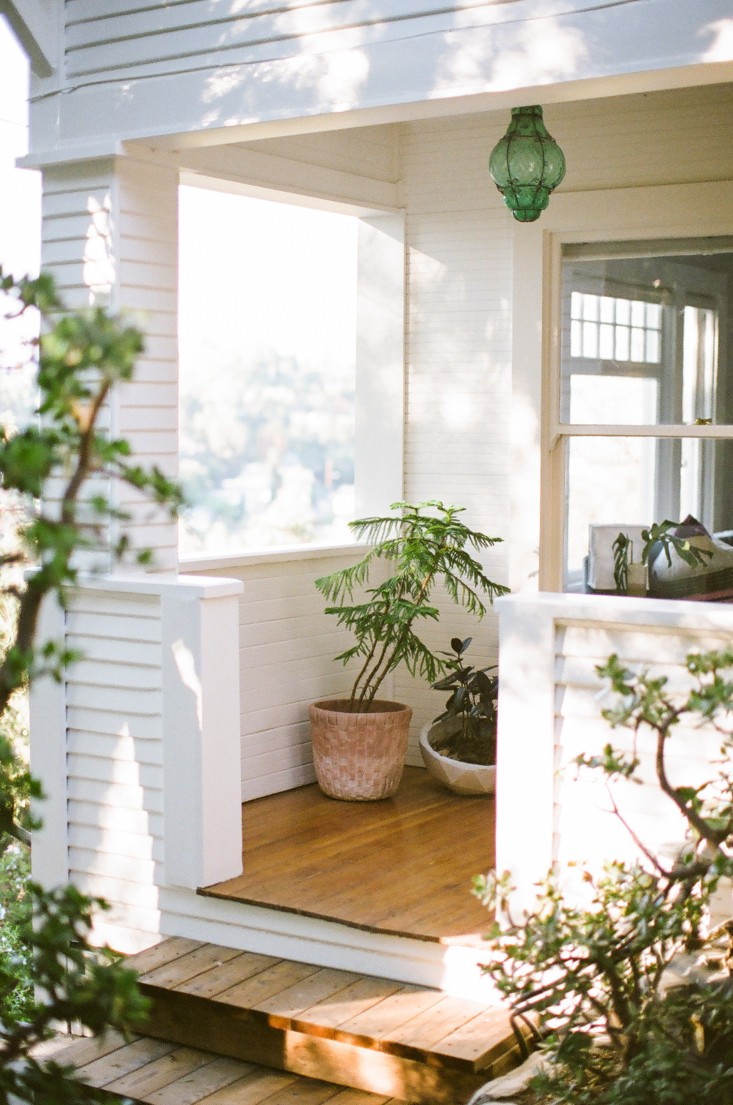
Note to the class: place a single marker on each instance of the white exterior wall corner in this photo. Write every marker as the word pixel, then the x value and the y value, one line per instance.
pixel 110 237
pixel 152 70
pixel 48 760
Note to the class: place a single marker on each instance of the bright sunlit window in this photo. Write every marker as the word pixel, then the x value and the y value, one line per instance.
pixel 267 337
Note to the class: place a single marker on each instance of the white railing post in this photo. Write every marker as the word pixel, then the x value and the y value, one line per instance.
pixel 525 784
pixel 201 739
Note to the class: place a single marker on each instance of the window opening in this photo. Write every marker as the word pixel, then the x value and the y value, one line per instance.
pixel 267 347
pixel 643 347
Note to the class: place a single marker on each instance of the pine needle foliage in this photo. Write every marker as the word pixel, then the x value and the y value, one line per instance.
pixel 424 545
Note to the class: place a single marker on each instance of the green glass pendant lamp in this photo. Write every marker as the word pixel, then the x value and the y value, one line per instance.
pixel 526 164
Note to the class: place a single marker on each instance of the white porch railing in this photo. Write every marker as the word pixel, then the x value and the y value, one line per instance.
pixel 550 711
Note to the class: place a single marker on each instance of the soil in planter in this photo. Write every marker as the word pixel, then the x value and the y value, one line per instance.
pixel 469 749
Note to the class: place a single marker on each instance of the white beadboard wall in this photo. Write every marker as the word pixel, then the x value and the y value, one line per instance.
pixel 110 239
pixel 458 358
pixel 114 759
pixel 287 647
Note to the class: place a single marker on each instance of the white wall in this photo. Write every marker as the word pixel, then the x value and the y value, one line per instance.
pixel 458 356
pixel 109 238
pixel 144 69
pixel 286 656
pixel 138 750
pixel 550 712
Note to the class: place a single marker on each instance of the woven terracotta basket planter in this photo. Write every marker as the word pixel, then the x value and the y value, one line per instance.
pixel 359 757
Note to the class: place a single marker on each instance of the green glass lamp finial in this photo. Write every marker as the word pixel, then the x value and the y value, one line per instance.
pixel 526 164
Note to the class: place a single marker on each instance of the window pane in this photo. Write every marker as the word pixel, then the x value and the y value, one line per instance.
pixel 654 317
pixel 267 354
pixel 609 480
pixel 613 399
pixel 620 482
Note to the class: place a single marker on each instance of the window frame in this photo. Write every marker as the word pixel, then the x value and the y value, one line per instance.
pixel 380 364
pixel 672 214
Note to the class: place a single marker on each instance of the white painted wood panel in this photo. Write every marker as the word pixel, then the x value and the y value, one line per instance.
pixel 110 238
pixel 286 661
pixel 458 352
pixel 114 748
pixel 550 711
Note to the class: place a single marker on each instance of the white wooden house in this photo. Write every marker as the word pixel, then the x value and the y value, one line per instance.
pixel 387 110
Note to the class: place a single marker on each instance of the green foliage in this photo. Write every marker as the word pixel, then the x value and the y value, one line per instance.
pixel 423 545
pixel 472 703
pixel 16 979
pixel 596 973
pixel 660 533
pixel 247 429
pixel 44 936
pixel 658 538
pixel 621 555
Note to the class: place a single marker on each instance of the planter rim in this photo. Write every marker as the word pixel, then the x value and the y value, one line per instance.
pixel 424 738
pixel 379 706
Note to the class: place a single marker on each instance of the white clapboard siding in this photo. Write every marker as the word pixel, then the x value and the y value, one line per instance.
pixel 114 751
pixel 110 237
pixel 287 650
pixel 691 753
pixel 130 41
pixel 550 712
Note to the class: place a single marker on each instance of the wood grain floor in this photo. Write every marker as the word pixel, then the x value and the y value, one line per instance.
pixel 403 865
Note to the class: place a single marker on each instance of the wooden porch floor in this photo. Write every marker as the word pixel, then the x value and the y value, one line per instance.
pixel 401 866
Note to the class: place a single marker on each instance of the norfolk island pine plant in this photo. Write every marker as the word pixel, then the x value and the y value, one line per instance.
pixel 359 742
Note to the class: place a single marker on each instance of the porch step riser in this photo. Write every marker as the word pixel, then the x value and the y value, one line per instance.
pixel 245 1034
pixel 369 1034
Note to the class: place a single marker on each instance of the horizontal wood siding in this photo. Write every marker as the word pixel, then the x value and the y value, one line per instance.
pixel 110 238
pixel 584 824
pixel 146 411
pixel 134 39
pixel 286 649
pixel 656 138
pixel 114 759
pixel 458 352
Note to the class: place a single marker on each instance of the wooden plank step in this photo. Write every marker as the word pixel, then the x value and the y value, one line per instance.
pixel 401 1041
pixel 149 1071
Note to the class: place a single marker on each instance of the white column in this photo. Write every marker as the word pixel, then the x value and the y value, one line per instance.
pixel 525 785
pixel 201 737
pixel 110 237
pixel 48 759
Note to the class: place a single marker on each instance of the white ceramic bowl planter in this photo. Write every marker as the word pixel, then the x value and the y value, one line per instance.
pixel 460 777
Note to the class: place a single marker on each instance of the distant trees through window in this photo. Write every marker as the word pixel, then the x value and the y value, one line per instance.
pixel 267 340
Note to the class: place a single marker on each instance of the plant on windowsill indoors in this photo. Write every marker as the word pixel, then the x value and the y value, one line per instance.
pixel 359 742
pixel 658 534
pixel 459 746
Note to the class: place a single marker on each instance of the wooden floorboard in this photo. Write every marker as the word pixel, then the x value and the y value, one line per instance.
pixel 327 1025
pixel 403 865
pixel 153 1073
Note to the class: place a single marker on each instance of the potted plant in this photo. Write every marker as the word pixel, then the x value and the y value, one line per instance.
pixel 459 746
pixel 665 537
pixel 359 742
